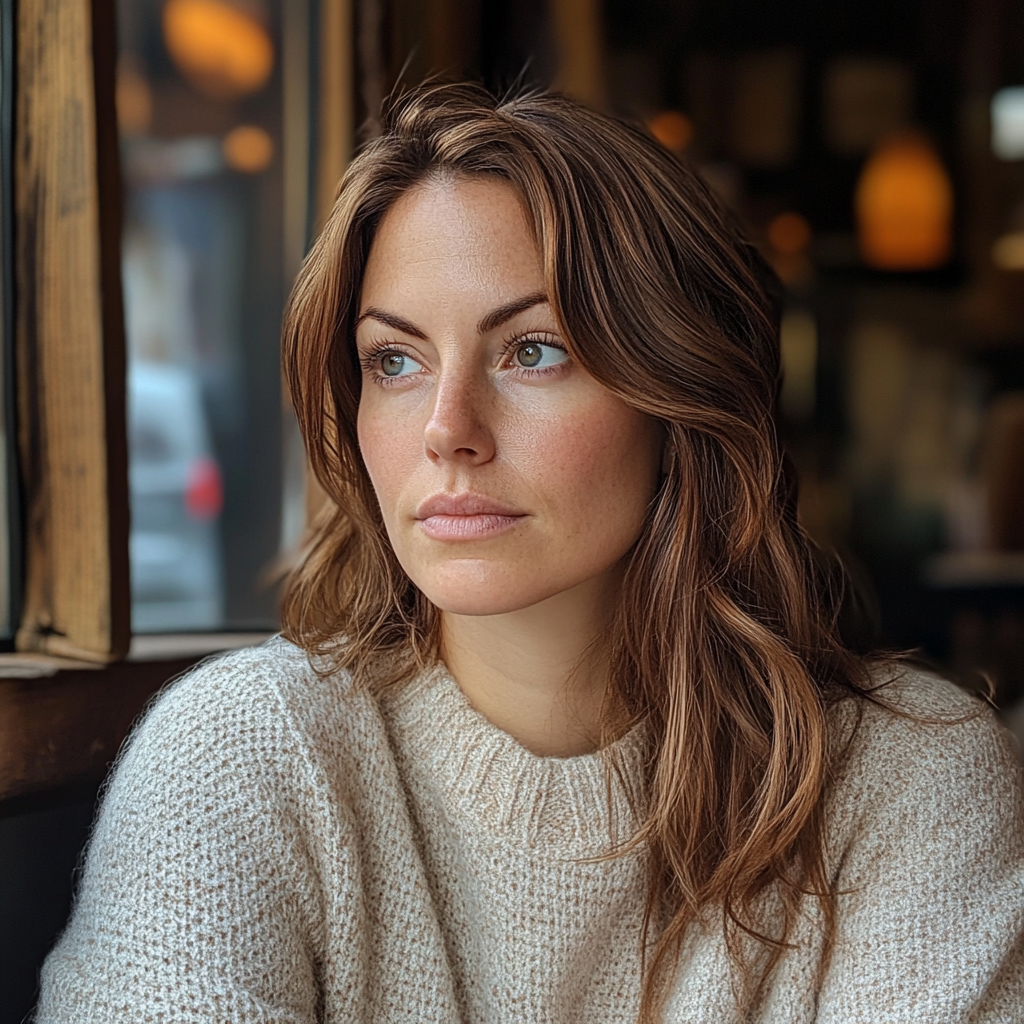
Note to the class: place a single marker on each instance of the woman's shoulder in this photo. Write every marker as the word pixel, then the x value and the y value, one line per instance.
pixel 920 749
pixel 223 836
pixel 907 710
pixel 256 683
pixel 251 709
pixel 925 849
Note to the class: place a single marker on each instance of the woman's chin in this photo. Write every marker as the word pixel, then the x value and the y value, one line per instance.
pixel 477 601
pixel 482 593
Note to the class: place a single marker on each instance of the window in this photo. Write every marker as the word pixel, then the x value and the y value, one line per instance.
pixel 166 190
pixel 207 252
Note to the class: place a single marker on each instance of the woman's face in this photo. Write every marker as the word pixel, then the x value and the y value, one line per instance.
pixel 506 474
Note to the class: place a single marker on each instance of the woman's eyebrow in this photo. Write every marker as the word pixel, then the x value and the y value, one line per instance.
pixel 494 319
pixel 397 323
pixel 504 313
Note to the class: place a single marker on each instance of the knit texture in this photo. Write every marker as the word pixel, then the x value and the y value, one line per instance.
pixel 277 847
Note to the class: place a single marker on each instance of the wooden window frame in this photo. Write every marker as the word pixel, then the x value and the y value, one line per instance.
pixel 69 334
pixel 77 678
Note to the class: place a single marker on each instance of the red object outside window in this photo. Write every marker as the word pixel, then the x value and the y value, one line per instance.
pixel 204 493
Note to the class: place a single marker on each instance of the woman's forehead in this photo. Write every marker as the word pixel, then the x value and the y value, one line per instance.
pixel 454 238
pixel 456 209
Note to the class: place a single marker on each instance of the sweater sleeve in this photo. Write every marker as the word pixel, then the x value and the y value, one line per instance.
pixel 931 876
pixel 197 902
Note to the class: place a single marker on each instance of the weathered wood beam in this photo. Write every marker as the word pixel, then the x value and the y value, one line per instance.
pixel 70 333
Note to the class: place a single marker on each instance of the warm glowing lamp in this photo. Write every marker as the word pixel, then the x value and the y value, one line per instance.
pixel 673 129
pixel 904 206
pixel 248 149
pixel 220 47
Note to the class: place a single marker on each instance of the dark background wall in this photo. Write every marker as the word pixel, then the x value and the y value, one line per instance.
pixel 40 843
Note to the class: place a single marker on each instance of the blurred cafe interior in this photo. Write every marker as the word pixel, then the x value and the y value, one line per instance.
pixel 873 149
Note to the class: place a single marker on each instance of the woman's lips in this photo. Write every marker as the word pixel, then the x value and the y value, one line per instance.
pixel 467 527
pixel 465 516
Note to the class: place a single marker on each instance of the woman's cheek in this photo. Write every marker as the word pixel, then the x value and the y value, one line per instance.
pixel 388 451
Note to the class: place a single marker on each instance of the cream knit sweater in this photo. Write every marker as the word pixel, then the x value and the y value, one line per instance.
pixel 279 848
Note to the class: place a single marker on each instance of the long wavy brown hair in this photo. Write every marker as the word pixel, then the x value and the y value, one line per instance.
pixel 727 642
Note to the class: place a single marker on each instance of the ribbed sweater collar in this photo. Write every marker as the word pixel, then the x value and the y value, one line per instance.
pixel 482 775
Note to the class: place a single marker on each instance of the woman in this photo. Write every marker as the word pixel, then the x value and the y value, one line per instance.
pixel 563 728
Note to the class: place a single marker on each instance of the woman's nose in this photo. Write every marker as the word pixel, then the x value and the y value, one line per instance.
pixel 459 427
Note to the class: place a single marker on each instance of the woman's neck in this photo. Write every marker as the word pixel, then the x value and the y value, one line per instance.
pixel 539 673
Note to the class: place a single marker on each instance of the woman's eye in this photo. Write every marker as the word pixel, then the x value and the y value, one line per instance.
pixel 533 355
pixel 394 364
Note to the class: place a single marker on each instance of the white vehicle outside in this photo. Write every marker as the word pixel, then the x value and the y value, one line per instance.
pixel 176 499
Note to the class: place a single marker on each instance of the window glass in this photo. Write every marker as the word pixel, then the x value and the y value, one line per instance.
pixel 200 100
